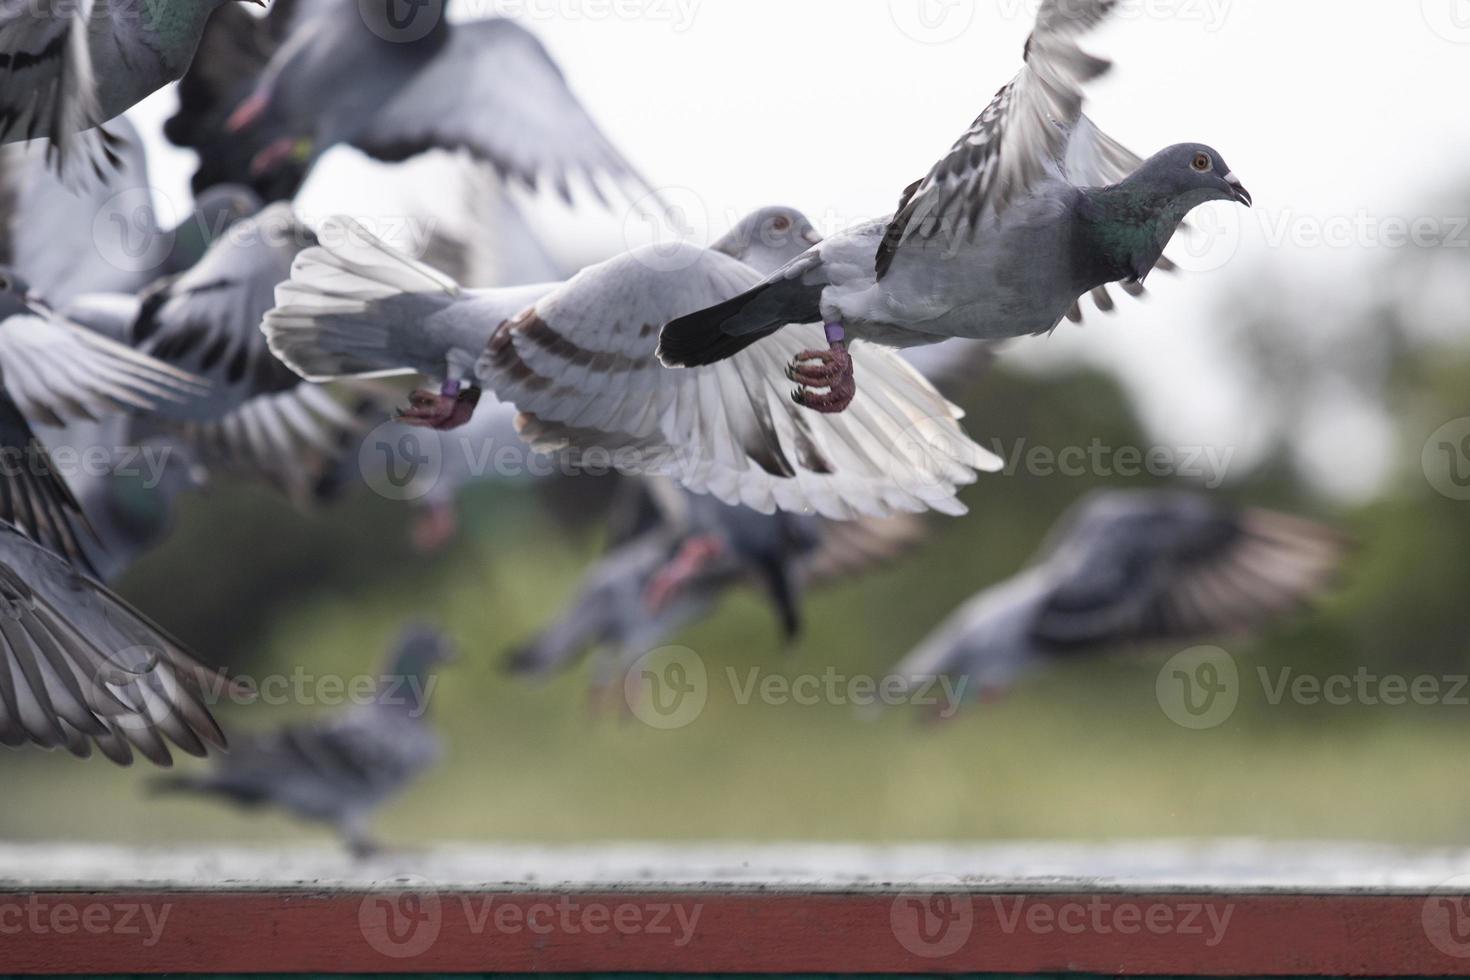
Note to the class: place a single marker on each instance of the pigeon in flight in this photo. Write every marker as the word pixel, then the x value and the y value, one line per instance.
pixel 338 771
pixel 578 361
pixel 674 556
pixel 69 67
pixel 258 418
pixel 1032 209
pixel 1130 568
pixel 347 73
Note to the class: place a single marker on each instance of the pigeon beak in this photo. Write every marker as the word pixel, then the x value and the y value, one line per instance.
pixel 812 237
pixel 258 3
pixel 37 302
pixel 1242 195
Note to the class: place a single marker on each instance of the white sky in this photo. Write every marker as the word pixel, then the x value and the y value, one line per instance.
pixel 1333 112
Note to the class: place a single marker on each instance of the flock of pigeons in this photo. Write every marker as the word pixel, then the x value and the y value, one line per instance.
pixel 761 445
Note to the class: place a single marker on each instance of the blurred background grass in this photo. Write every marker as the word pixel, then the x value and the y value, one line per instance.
pixel 1082 752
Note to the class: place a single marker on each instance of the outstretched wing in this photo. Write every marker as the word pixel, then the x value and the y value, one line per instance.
pixel 1132 568
pixel 581 367
pixel 80 668
pixel 58 372
pixel 494 91
pixel 1015 141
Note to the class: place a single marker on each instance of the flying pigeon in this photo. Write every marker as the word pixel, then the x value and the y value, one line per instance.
pixel 338 771
pixel 258 417
pixel 1032 209
pixel 578 362
pixel 674 556
pixel 1130 568
pixel 349 72
pixel 69 67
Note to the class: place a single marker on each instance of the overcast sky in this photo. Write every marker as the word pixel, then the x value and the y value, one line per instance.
pixel 1343 117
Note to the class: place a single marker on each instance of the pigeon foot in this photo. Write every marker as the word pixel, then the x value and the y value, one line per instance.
pixel 830 369
pixel 449 408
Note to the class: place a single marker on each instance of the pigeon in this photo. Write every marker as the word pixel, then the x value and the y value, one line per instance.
pixel 1032 209
pixel 673 556
pixel 1130 568
pixel 358 73
pixel 81 669
pixel 69 67
pixel 577 360
pixel 339 770
pixel 106 236
pixel 259 418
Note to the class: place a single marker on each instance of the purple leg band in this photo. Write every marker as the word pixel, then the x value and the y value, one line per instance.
pixel 835 333
pixel 450 389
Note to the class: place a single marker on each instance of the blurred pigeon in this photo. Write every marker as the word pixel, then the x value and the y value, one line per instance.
pixel 258 417
pixel 341 770
pixel 394 87
pixel 81 668
pixel 1032 209
pixel 127 487
pixel 1126 568
pixel 105 237
pixel 673 556
pixel 579 364
pixel 70 67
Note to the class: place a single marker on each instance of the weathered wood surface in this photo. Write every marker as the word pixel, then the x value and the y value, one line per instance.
pixel 1158 908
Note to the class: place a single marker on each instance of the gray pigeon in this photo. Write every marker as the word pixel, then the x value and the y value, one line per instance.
pixel 1129 568
pixel 577 360
pixel 339 771
pixel 394 86
pixel 258 417
pixel 69 67
pixel 80 668
pixel 1032 209
pixel 674 556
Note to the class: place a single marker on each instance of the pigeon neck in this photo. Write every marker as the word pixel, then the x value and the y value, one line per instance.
pixel 178 27
pixel 1126 227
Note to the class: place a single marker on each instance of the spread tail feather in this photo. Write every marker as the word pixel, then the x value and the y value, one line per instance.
pixel 341 312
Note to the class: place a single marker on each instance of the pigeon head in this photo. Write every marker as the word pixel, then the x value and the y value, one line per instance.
pixel 769 238
pixel 1193 173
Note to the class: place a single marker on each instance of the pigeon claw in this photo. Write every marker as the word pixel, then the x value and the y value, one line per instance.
pixel 439 411
pixel 823 369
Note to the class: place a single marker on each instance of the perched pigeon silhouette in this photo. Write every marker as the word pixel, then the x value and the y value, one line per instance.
pixel 579 364
pixel 69 67
pixel 339 771
pixel 1130 568
pixel 1032 209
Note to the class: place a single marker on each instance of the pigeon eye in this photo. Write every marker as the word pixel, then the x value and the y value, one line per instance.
pixel 1202 163
pixel 781 223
